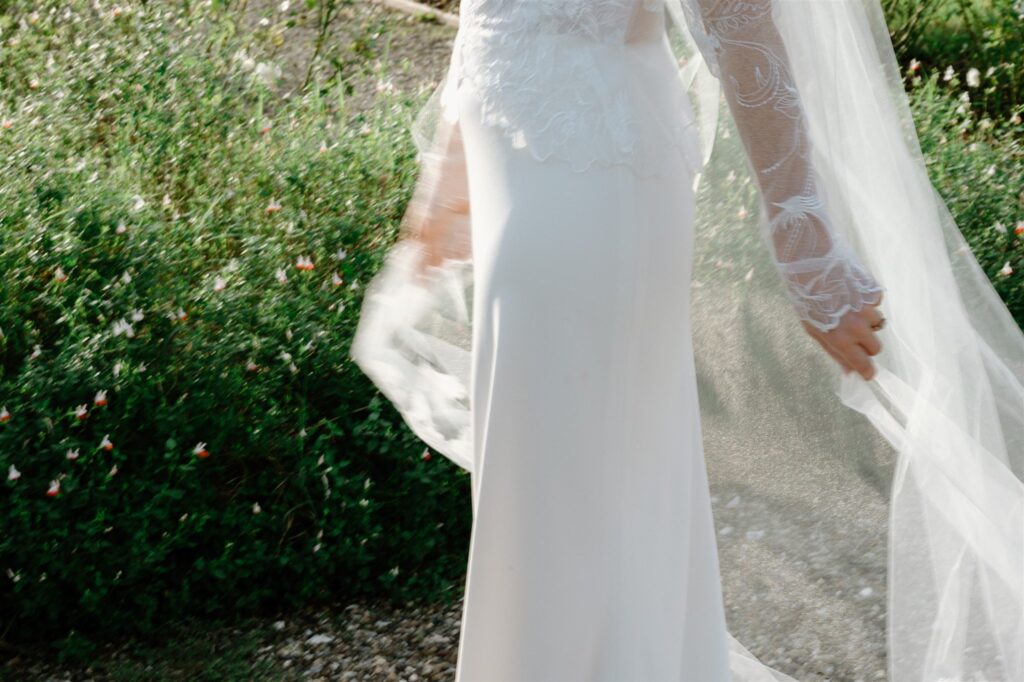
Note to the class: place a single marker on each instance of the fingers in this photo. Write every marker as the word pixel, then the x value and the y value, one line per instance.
pixel 858 358
pixel 857 346
pixel 851 345
pixel 871 315
pixel 825 339
pixel 863 332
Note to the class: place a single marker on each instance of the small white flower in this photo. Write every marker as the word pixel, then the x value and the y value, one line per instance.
pixel 281 275
pixel 81 412
pixel 948 74
pixel 284 6
pixel 121 228
pixel 122 327
pixel 973 77
pixel 72 455
pixel 268 72
pixel 256 509
pixel 137 315
pixel 13 474
pixel 1006 270
pixel 999 227
pixel 126 277
pixel 264 22
pixel 219 283
pixel 340 255
pixel 113 470
pixel 59 274
pixel 36 352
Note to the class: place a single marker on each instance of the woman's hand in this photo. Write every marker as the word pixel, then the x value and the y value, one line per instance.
pixel 853 342
pixel 437 218
pixel 440 228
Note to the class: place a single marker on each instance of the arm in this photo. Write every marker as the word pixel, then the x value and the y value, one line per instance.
pixel 438 213
pixel 745 51
pixel 437 217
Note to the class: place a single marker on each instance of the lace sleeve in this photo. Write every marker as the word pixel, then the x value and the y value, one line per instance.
pixel 743 49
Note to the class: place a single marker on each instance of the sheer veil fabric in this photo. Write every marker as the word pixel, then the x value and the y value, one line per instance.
pixel 910 485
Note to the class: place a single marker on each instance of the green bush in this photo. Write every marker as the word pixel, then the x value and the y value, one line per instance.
pixel 986 36
pixel 977 166
pixel 154 210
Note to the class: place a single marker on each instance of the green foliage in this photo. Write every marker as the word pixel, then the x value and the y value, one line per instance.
pixel 977 166
pixel 155 212
pixel 964 35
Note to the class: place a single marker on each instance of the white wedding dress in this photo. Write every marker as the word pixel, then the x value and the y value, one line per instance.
pixel 593 554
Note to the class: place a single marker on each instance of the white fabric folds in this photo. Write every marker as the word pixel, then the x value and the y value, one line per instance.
pixel 921 468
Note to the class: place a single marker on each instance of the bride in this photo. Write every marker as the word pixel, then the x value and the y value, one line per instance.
pixel 580 314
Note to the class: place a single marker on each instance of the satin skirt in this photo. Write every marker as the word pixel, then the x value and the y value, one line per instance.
pixel 592 554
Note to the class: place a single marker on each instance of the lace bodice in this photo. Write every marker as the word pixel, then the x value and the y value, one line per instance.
pixel 571 79
pixel 560 77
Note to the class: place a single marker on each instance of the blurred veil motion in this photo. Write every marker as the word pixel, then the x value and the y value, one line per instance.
pixel 922 466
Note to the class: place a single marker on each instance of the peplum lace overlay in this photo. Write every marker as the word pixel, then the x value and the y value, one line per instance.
pixel 559 78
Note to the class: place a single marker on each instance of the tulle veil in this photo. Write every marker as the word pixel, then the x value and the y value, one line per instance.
pixel 905 493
